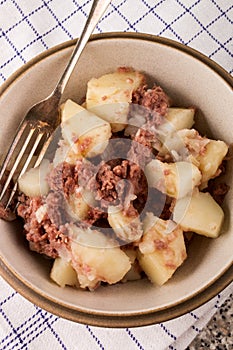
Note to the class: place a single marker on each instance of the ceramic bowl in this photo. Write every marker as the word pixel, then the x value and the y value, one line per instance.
pixel 190 79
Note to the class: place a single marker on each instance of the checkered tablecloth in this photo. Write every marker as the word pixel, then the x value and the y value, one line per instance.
pixel 28 27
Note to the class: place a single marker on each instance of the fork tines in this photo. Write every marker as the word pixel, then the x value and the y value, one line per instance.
pixel 27 150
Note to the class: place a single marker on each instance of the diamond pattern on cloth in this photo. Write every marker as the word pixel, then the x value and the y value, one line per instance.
pixel 28 28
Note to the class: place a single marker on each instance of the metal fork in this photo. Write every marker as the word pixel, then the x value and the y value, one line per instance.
pixel 34 133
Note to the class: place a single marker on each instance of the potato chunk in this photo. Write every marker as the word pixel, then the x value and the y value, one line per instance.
pixel 63 273
pixel 176 119
pixel 96 258
pixel 211 159
pixel 34 182
pixel 162 250
pixel 78 204
pixel 180 118
pixel 109 96
pixel 174 179
pixel 126 228
pixel 200 214
pixel 205 153
pixel 85 133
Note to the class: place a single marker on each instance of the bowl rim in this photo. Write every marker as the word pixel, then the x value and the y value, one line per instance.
pixel 120 35
pixel 98 318
pixel 117 321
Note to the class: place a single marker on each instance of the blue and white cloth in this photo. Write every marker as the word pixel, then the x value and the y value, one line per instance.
pixel 26 29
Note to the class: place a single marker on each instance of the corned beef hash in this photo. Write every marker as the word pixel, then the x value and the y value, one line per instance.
pixel 130 182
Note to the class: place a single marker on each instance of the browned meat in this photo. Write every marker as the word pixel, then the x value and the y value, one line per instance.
pixel 6 214
pixel 125 69
pixel 63 178
pixel 55 208
pixel 159 204
pixel 138 94
pixel 155 99
pixel 149 106
pixel 97 216
pixel 141 150
pixel 106 181
pixel 44 237
pixel 84 172
pixel 121 182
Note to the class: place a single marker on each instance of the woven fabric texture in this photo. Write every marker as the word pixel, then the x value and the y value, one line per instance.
pixel 28 28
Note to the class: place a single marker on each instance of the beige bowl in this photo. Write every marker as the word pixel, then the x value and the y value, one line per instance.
pixel 190 79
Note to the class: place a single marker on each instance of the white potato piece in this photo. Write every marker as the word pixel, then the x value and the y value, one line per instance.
pixel 96 258
pixel 211 159
pixel 200 214
pixel 109 96
pixel 69 109
pixel 85 133
pixel 41 212
pixel 61 154
pixel 79 203
pixel 34 182
pixel 126 228
pixel 176 119
pixel 174 179
pixel 205 153
pixel 162 250
pixel 63 273
pixel 115 113
pixel 66 153
pixel 193 140
pixel 180 118
pixel 149 221
pixel 184 144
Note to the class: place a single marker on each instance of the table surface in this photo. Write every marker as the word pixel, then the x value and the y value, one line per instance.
pixel 218 333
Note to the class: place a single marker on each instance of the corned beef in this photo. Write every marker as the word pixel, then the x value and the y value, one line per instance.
pixel 44 237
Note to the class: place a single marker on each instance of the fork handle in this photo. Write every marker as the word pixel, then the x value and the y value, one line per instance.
pixel 97 10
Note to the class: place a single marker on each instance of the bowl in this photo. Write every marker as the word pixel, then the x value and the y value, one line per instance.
pixel 190 79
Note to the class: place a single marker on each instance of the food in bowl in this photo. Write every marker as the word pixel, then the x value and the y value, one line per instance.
pixel 129 181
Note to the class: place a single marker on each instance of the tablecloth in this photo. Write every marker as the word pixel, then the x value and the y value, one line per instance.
pixel 30 27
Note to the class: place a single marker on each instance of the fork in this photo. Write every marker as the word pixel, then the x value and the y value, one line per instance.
pixel 34 133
